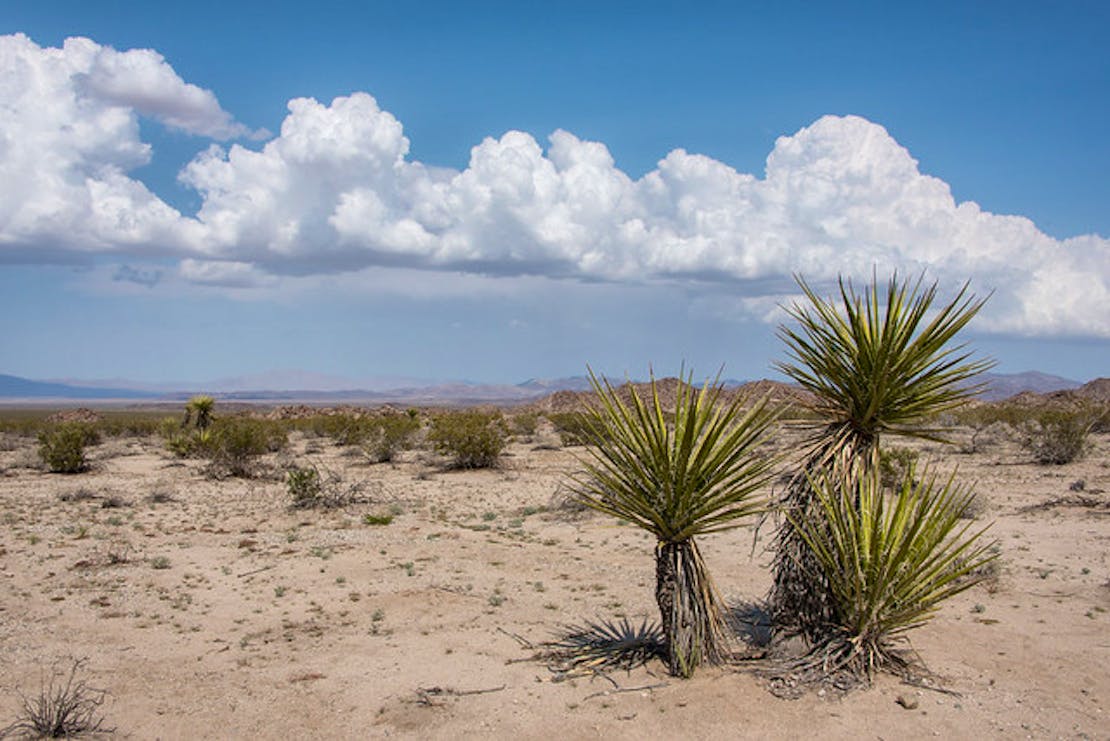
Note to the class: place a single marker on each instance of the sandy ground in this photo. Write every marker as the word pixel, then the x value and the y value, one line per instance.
pixel 210 609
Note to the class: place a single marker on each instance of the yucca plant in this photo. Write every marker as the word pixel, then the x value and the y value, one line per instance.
pixel 889 562
pixel 199 411
pixel 678 475
pixel 877 363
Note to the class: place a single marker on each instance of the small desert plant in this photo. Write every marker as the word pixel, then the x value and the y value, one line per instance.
pixel 524 424
pixel 304 486
pixel 1056 436
pixel 65 706
pixel 678 475
pixel 345 429
pixel 233 445
pixel 62 448
pixel 571 426
pixel 894 465
pixel 471 438
pixel 388 435
pixel 889 564
pixel 310 488
pixel 981 419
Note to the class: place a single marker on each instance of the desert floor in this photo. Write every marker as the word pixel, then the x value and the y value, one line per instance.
pixel 210 609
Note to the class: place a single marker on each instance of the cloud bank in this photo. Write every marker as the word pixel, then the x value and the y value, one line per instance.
pixel 335 191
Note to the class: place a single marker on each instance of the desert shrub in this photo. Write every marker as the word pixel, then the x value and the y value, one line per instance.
pixel 234 444
pixel 23 422
pixel 983 420
pixel 131 424
pixel 347 429
pixel 471 438
pixel 524 424
pixel 894 465
pixel 65 706
pixel 62 448
pixel 304 487
pixel 388 435
pixel 573 427
pixel 1056 436
pixel 311 488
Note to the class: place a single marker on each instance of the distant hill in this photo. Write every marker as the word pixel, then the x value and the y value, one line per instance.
pixel 1004 385
pixel 291 386
pixel 14 387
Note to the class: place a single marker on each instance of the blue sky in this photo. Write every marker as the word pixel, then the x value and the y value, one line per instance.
pixel 496 191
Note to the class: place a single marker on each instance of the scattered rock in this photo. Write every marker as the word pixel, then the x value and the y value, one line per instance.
pixel 909 703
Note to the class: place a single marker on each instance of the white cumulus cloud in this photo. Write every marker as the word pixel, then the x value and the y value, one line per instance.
pixel 336 192
pixel 69 133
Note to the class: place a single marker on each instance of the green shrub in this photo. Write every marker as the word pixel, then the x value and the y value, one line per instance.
pixel 311 488
pixel 304 487
pixel 388 435
pixel 471 438
pixel 347 429
pixel 234 444
pixel 524 424
pixel 894 465
pixel 573 427
pixel 1056 436
pixel 131 424
pixel 981 419
pixel 62 448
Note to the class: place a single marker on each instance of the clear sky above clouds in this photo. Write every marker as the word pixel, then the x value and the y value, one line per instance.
pixel 496 191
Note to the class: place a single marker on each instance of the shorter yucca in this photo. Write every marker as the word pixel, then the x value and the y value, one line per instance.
pixel 890 560
pixel 678 474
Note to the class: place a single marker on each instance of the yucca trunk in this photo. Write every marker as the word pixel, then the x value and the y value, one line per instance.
pixel 689 607
pixel 801 599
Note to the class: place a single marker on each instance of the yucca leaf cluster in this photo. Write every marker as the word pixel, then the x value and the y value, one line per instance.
pixel 890 560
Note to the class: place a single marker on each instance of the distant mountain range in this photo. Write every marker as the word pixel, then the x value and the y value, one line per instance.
pixel 294 385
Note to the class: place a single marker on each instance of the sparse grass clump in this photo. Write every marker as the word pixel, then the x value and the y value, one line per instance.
pixel 65 706
pixel 62 448
pixel 471 438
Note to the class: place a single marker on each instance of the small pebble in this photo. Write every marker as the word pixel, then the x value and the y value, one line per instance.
pixel 909 703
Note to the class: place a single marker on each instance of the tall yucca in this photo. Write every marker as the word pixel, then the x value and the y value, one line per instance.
pixel 678 474
pixel 877 362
